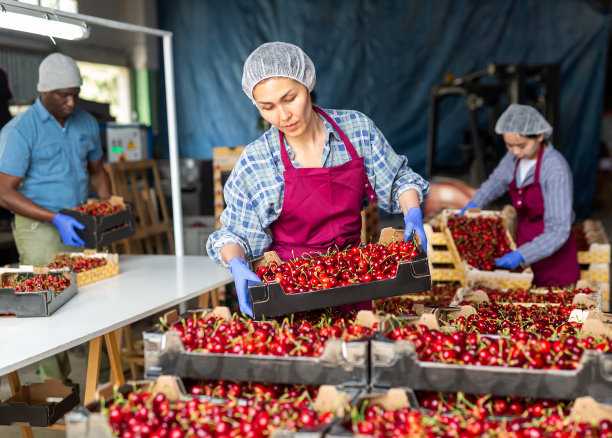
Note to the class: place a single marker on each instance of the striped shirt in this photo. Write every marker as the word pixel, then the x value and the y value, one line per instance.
pixel 254 191
pixel 557 191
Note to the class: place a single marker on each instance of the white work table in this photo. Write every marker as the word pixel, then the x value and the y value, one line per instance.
pixel 146 284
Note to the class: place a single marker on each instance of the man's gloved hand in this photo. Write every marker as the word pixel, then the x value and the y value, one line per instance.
pixel 510 260
pixel 414 223
pixel 468 206
pixel 66 226
pixel 243 278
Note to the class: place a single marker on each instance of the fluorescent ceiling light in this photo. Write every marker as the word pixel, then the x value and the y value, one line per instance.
pixel 42 23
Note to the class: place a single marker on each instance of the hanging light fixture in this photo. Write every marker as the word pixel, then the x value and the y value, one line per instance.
pixel 41 23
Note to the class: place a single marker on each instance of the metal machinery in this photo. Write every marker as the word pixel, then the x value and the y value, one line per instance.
pixel 492 89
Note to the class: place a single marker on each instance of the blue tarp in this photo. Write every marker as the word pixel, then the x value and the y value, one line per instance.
pixel 381 57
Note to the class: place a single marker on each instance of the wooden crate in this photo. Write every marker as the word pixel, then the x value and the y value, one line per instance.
pixel 599 244
pixel 440 257
pixel 598 272
pixel 369 224
pixel 605 295
pixel 224 160
pixel 498 278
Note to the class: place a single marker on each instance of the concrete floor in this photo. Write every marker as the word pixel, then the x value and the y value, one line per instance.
pixel 79 361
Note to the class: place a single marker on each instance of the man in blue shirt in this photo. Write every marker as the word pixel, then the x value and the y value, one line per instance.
pixel 48 155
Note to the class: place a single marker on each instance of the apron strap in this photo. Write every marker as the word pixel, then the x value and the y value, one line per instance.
pixel 514 174
pixel 371 194
pixel 283 150
pixel 347 143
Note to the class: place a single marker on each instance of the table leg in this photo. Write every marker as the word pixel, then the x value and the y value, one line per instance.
pixel 129 344
pixel 13 378
pixel 115 359
pixel 93 369
pixel 204 300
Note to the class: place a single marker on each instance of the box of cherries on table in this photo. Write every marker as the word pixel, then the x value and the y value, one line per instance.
pixel 89 265
pixel 29 291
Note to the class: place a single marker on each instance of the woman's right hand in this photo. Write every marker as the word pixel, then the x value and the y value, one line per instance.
pixel 467 207
pixel 243 278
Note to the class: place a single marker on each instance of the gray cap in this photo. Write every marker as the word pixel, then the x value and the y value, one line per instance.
pixel 277 59
pixel 524 120
pixel 58 71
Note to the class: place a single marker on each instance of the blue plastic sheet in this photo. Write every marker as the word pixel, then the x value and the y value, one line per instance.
pixel 382 57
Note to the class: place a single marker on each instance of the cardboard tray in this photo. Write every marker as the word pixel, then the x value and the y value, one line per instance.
pixel 101 231
pixel 270 299
pixel 498 278
pixel 474 295
pixel 40 303
pixel 342 363
pixel 89 423
pixel 397 364
pixel 584 409
pixel 110 269
pixel 389 398
pixel 40 404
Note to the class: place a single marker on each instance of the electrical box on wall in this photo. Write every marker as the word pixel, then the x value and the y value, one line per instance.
pixel 127 142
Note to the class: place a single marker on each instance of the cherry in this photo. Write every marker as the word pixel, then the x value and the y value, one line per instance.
pixel 99 208
pixel 37 282
pixel 336 269
pixel 479 240
pixel 77 263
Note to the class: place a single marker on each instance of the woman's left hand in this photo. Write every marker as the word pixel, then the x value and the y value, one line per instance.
pixel 414 223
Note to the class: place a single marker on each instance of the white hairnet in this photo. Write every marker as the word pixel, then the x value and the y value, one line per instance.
pixel 277 59
pixel 524 120
pixel 58 71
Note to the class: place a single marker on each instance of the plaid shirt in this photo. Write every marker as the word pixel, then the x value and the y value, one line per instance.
pixel 557 191
pixel 254 191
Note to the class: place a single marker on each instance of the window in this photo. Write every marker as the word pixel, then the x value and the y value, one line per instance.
pixel 62 5
pixel 108 84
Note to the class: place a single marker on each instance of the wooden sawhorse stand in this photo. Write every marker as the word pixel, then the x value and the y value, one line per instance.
pixel 93 374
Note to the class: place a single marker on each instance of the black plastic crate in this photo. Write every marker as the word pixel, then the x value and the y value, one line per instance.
pixel 101 231
pixel 341 363
pixel 40 404
pixel 39 303
pixel 397 364
pixel 271 300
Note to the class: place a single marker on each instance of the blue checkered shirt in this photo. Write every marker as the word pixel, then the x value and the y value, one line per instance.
pixel 557 191
pixel 254 191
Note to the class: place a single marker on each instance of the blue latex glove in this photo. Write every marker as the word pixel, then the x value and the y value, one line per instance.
pixel 243 278
pixel 414 223
pixel 468 206
pixel 510 260
pixel 66 226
